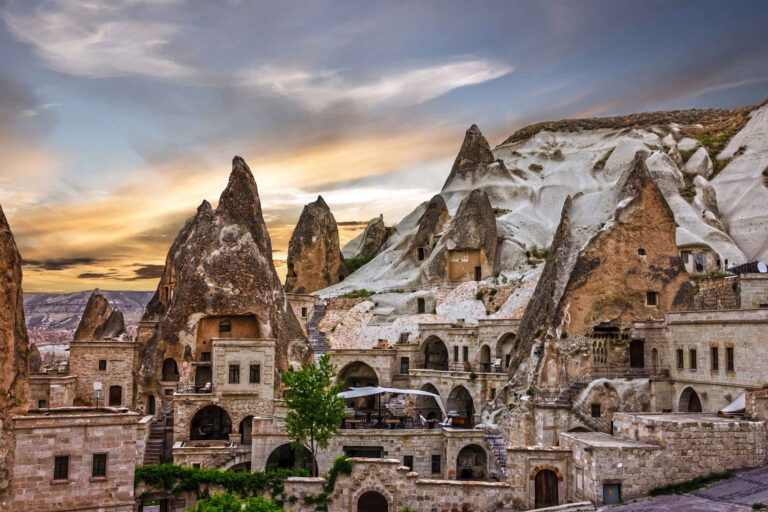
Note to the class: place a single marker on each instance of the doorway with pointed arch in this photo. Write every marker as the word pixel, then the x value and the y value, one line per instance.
pixel 372 501
pixel 689 401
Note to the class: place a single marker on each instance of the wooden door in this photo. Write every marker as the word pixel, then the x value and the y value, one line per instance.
pixel 637 354
pixel 546 489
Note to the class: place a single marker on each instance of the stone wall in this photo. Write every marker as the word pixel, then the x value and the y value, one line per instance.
pixel 525 462
pixel 653 450
pixel 78 433
pixel 120 357
pixel 55 390
pixel 754 290
pixel 715 294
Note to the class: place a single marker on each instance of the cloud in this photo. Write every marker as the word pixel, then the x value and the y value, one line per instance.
pixel 318 90
pixel 59 263
pixel 148 272
pixel 99 39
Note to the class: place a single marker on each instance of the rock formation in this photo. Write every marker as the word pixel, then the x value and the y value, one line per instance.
pixel 221 264
pixel 474 153
pixel 605 282
pixel 314 253
pixel 35 360
pixel 100 320
pixel 430 224
pixel 369 243
pixel 473 228
pixel 14 366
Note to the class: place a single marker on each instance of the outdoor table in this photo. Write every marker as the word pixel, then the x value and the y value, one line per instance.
pixel 392 422
pixel 353 422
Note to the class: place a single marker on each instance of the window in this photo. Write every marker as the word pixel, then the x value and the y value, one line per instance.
pixel 436 469
pixel 456 354
pixel 99 468
pixel 493 393
pixel 102 365
pixel 196 465
pixel 42 404
pixel 61 467
pixel 404 337
pixel 466 354
pixel 729 362
pixel 304 312
pixel 641 252
pixel 507 359
pixel 205 356
pixel 255 374
pixel 225 329
pixel 421 254
pixel 651 298
pixel 405 365
pixel 685 255
pixel 234 374
pixel 408 461
pixel 421 306
pixel 680 359
pixel 692 356
pixel 595 410
pixel 714 359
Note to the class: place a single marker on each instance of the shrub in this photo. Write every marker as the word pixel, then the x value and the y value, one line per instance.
pixel 535 168
pixel 600 164
pixel 472 375
pixel 479 295
pixel 691 485
pixel 356 262
pixel 228 502
pixel 357 294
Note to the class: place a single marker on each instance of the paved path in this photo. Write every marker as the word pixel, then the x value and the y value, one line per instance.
pixel 737 494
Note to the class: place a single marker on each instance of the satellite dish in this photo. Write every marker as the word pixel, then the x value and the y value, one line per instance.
pixel 762 267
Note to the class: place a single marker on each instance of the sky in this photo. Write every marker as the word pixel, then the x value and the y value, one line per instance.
pixel 117 118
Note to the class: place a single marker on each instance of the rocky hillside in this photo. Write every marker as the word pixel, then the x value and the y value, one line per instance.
pixel 14 372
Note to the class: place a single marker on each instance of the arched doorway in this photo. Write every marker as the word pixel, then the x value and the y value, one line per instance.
pixel 427 406
pixel 461 407
pixel 504 348
pixel 287 457
pixel 358 375
pixel 485 359
pixel 210 423
pixel 170 370
pixel 372 501
pixel 246 426
pixel 689 401
pixel 435 354
pixel 545 485
pixel 472 463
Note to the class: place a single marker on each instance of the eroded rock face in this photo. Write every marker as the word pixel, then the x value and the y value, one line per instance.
pixel 373 239
pixel 475 154
pixel 35 359
pixel 314 252
pixel 473 228
pixel 100 320
pixel 430 224
pixel 14 366
pixel 220 264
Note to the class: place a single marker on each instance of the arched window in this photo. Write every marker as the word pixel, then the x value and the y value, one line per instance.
pixel 472 463
pixel 210 423
pixel 372 501
pixel 435 354
pixel 170 370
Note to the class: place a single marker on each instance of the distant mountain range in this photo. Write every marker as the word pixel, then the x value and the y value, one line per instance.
pixel 53 317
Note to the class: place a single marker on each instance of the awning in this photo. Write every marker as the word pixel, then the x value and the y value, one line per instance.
pixel 378 390
pixel 738 406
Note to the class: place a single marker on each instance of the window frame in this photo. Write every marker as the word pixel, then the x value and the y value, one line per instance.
pixel 437 462
pixel 102 365
pixel 714 359
pixel 730 359
pixel 102 466
pixel 57 468
pixel 254 373
pixel 408 462
pixel 651 299
pixel 693 356
pixel 234 373
pixel 405 364
pixel 680 359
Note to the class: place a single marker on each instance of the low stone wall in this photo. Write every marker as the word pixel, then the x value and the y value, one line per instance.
pixel 717 294
pixel 655 450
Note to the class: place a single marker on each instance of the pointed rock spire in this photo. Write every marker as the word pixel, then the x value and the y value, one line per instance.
pixel 221 264
pixel 100 320
pixel 475 154
pixel 314 252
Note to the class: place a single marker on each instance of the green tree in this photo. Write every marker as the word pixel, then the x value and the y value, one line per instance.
pixel 228 502
pixel 314 408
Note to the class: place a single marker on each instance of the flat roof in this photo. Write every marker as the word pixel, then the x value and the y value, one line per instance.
pixel 603 440
pixel 686 417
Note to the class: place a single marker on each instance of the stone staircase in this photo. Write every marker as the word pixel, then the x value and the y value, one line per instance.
pixel 221 460
pixel 317 338
pixel 497 445
pixel 567 396
pixel 153 452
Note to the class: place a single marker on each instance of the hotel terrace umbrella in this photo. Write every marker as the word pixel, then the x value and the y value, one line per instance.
pixel 378 390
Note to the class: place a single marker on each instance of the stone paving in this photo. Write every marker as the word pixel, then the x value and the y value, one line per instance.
pixel 735 495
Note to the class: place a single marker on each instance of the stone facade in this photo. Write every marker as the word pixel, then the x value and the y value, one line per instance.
pixel 655 450
pixel 754 290
pixel 303 306
pixel 110 362
pixel 53 390
pixel 78 433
